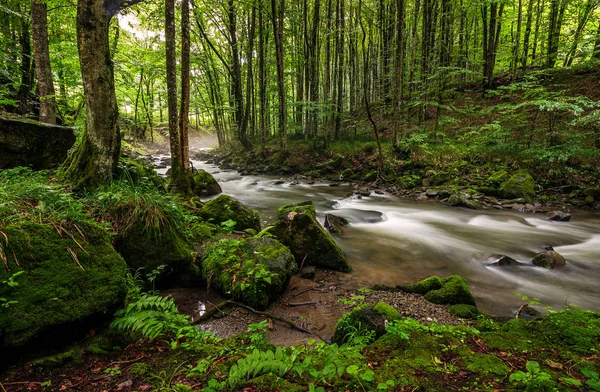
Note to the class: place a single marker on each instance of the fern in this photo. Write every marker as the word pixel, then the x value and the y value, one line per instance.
pixel 151 316
pixel 261 362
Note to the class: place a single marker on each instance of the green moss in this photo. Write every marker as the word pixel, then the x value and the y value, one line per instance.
pixel 55 294
pixel 361 321
pixel 520 185
pixel 137 173
pixel 390 313
pixel 225 208
pixel 593 192
pixel 464 311
pixel 371 176
pixel 454 290
pixel 497 179
pixel 70 357
pixel 271 382
pixel 424 286
pixel 312 174
pixel 306 207
pixel 253 271
pixel 140 369
pixel 486 365
pixel 204 184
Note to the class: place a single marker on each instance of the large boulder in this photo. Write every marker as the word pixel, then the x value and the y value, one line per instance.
pixel 549 259
pixel 253 271
pixel 225 208
pixel 452 290
pixel 35 144
pixel 462 199
pixel 520 185
pixel 309 242
pixel 70 276
pixel 204 184
pixel 335 224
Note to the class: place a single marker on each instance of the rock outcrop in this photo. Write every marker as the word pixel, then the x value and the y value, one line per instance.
pixel 30 143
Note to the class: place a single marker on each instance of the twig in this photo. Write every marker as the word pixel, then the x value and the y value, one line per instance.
pixel 75 259
pixel 2 386
pixel 520 309
pixel 302 264
pixel 21 383
pixel 309 289
pixel 126 362
pixel 303 303
pixel 292 324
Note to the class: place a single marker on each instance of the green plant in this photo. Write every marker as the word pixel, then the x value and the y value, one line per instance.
pixel 593 380
pixel 228 225
pixel 395 328
pixel 353 300
pixel 533 380
pixel 10 282
pixel 361 374
pixel 113 371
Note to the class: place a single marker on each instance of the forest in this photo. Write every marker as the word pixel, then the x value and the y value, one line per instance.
pixel 299 195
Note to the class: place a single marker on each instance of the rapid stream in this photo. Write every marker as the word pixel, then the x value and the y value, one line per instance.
pixel 394 240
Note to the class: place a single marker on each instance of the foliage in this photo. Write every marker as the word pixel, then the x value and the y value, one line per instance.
pixel 533 380
pixel 10 282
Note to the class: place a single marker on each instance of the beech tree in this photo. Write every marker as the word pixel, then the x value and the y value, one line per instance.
pixel 39 24
pixel 96 158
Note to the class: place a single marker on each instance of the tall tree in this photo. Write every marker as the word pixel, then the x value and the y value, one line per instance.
pixel 277 18
pixel 26 69
pixel 184 112
pixel 97 156
pixel 39 24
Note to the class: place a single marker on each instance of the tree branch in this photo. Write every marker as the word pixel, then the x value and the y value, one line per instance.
pixel 113 7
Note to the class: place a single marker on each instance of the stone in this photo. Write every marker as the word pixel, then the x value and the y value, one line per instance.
pixel 307 272
pixel 452 290
pixel 359 322
pixel 335 223
pixel 60 293
pixel 312 174
pixel 559 216
pixel 464 311
pixel 309 242
pixel 461 199
pixel 253 271
pixel 549 259
pixel 593 192
pixel 505 261
pixel 225 208
pixel 30 143
pixel 520 185
pixel 204 184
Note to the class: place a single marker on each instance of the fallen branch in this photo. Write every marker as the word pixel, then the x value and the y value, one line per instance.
pixel 309 289
pixel 521 309
pixel 2 386
pixel 303 303
pixel 210 313
pixel 126 362
pixel 291 324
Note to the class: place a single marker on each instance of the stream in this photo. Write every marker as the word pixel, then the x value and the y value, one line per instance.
pixel 393 240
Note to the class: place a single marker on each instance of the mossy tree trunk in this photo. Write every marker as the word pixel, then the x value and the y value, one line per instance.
pixel 96 158
pixel 39 24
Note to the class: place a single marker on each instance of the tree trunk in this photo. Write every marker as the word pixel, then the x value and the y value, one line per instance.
pixel 184 110
pixel 262 82
pixel 39 24
pixel 179 179
pixel 97 156
pixel 340 71
pixel 596 54
pixel 527 34
pixel 590 6
pixel 250 76
pixel 398 72
pixel 26 77
pixel 236 77
pixel 517 41
pixel 278 14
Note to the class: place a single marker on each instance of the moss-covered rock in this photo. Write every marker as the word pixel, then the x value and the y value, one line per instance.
pixel 64 283
pixel 424 286
pixel 69 357
pixel 390 313
pixel 371 176
pixel 143 251
pixel 461 199
pixel 464 311
pixel 253 271
pixel 225 208
pixel 496 179
pixel 549 259
pixel 362 321
pixel 520 185
pixel 486 364
pixel 309 242
pixel 454 290
pixel 204 184
pixel 312 174
pixel 593 192
pixel 137 173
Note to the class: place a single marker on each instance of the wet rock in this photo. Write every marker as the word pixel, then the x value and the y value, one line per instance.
pixel 30 143
pixel 529 313
pixel 309 242
pixel 513 201
pixel 452 290
pixel 346 174
pixel 549 259
pixel 505 261
pixel 279 182
pixel 312 174
pixel 559 216
pixel 335 223
pixel 365 320
pixel 520 185
pixel 593 192
pixel 225 208
pixel 204 184
pixel 461 199
pixel 432 193
pixel 253 271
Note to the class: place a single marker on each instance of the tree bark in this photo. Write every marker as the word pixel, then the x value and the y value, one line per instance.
pixel 278 14
pixel 39 24
pixel 184 113
pixel 26 77
pixel 97 156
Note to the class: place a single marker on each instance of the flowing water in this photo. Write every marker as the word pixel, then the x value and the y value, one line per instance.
pixel 393 240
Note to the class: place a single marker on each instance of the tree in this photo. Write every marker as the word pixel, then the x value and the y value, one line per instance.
pixel 39 24
pixel 277 16
pixel 184 113
pixel 96 158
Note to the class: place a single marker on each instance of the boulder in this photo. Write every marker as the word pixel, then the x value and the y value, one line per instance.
pixel 549 259
pixel 452 290
pixel 309 242
pixel 365 320
pixel 464 311
pixel 461 199
pixel 204 184
pixel 35 144
pixel 520 185
pixel 312 174
pixel 559 216
pixel 505 261
pixel 225 208
pixel 253 271
pixel 65 287
pixel 335 223
pixel 593 192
